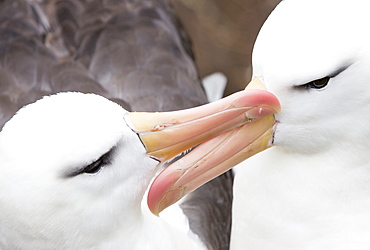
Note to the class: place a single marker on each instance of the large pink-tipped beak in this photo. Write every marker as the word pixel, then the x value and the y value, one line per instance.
pixel 232 137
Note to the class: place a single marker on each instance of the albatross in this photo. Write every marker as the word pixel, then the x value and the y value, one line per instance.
pixel 117 49
pixel 310 189
pixel 133 52
pixel 74 171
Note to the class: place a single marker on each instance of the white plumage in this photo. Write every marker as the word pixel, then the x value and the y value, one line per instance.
pixel 311 191
pixel 51 199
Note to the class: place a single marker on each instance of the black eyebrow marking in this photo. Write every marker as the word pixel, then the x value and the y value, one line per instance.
pixel 332 75
pixel 338 71
pixel 104 160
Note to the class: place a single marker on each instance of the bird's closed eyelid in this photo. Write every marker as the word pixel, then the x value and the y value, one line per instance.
pixel 338 71
pixel 94 167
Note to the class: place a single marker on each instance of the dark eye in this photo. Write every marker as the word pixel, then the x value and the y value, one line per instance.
pixel 318 84
pixel 94 167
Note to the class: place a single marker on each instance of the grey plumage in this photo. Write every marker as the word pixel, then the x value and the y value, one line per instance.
pixel 133 49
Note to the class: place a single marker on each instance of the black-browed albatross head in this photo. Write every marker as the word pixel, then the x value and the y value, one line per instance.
pixel 73 173
pixel 314 56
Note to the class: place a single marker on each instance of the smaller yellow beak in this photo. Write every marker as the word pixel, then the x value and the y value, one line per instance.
pixel 228 131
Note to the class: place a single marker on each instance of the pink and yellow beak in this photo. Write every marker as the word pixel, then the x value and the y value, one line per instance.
pixel 228 131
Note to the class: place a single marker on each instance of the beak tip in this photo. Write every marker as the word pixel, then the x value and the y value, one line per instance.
pixel 159 198
pixel 156 213
pixel 154 206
